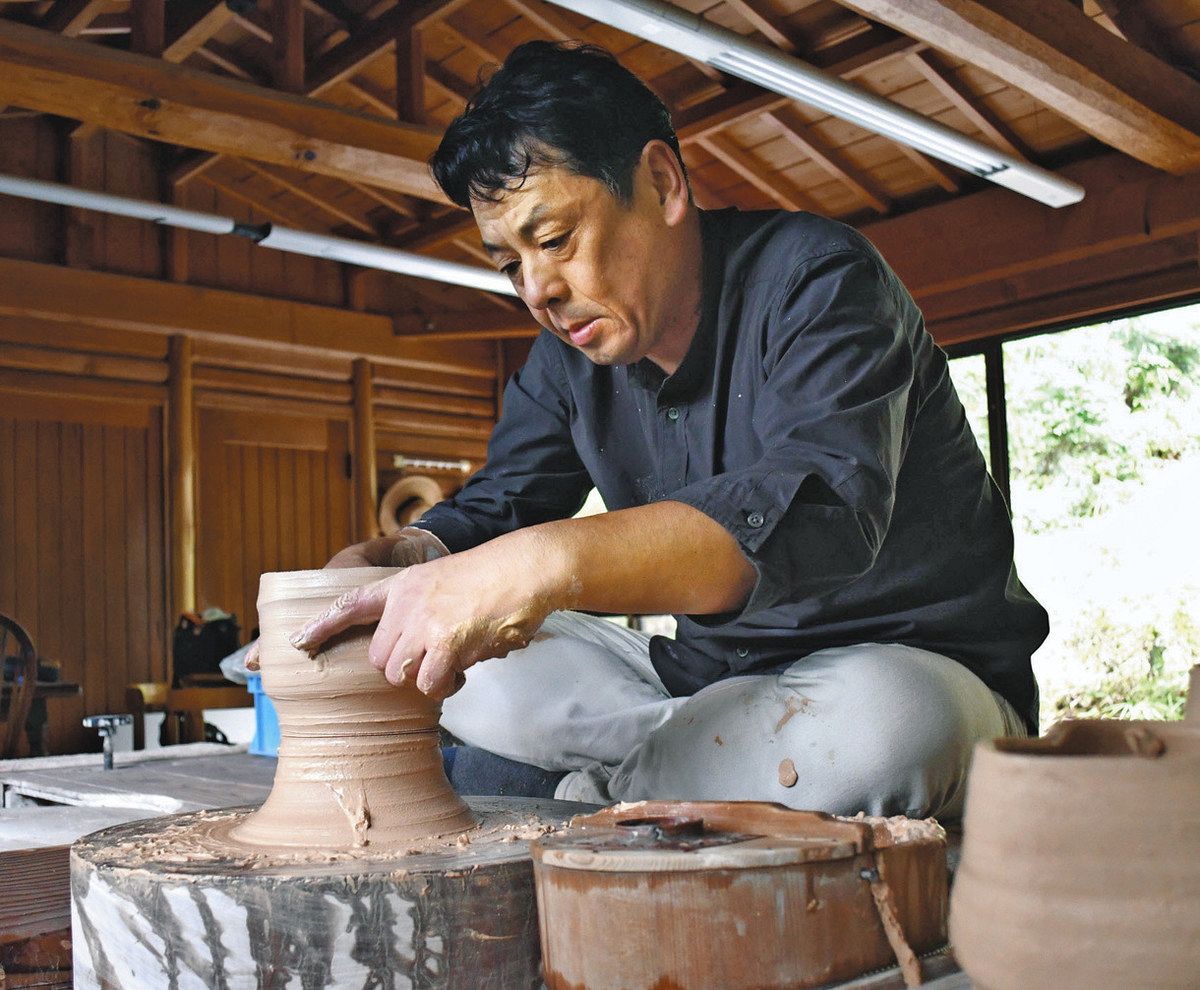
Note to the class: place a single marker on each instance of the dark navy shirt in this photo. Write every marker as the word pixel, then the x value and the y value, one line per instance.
pixel 814 418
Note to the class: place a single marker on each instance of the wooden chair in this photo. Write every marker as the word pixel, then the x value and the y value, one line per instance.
pixel 18 657
pixel 184 708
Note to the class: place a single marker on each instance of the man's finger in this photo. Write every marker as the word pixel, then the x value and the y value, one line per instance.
pixel 356 607
pixel 252 656
pixel 439 675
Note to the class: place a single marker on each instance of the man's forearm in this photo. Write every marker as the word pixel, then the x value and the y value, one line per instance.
pixel 665 557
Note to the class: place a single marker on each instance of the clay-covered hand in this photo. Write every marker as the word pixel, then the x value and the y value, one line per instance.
pixel 403 549
pixel 441 617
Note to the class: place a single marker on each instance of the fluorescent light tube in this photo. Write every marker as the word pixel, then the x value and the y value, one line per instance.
pixel 268 235
pixel 678 30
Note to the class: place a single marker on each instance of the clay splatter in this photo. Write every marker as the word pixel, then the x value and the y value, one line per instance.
pixel 787 773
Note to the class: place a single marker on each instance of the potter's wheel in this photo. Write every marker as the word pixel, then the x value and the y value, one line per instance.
pixel 175 901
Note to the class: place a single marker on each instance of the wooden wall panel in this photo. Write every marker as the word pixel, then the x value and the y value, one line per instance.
pixel 83 569
pixel 273 495
pixel 29 146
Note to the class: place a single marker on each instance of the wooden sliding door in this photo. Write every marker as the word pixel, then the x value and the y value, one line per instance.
pixel 82 552
pixel 274 494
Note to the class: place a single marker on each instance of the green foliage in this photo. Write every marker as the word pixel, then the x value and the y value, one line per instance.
pixel 1093 410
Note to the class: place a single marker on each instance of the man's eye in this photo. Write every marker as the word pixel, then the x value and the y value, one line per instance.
pixel 555 242
pixel 510 269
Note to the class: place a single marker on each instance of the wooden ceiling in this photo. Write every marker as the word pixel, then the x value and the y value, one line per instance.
pixel 320 114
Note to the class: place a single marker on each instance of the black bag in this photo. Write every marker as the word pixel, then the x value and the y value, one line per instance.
pixel 199 646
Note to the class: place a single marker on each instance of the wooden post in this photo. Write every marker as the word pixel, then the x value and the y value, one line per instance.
pixel 410 75
pixel 181 457
pixel 366 474
pixel 148 22
pixel 287 45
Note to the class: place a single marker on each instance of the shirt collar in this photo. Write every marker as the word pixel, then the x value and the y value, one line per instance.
pixel 697 362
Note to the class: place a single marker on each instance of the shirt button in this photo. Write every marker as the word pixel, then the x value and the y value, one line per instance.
pixel 755 519
pixel 743 652
pixel 672 414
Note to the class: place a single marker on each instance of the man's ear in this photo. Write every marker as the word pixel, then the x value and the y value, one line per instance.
pixel 667 179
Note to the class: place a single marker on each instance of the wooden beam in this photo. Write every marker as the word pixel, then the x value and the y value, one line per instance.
pixel 778 187
pixel 287 45
pixel 804 137
pixel 366 471
pixel 546 19
pixel 123 302
pixel 1128 205
pixel 445 80
pixel 933 67
pixel 147 98
pixel 148 22
pixel 263 209
pixel 181 466
pixel 1113 90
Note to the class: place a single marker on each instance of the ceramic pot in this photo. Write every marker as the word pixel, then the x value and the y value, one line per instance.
pixel 359 763
pixel 1081 859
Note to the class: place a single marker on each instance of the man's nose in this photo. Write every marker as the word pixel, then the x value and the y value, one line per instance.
pixel 542 285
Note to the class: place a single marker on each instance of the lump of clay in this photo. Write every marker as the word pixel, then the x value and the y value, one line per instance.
pixel 359 762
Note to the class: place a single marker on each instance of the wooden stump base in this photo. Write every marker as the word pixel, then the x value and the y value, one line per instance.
pixel 174 902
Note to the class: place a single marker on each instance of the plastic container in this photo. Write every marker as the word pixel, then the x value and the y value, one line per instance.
pixel 266 721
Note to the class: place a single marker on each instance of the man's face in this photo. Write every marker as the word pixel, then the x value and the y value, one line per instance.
pixel 597 273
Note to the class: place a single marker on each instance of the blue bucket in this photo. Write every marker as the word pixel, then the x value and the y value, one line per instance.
pixel 266 721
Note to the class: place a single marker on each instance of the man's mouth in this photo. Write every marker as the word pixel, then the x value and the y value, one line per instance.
pixel 581 333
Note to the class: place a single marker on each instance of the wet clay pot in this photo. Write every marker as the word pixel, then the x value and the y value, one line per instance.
pixel 359 762
pixel 1081 858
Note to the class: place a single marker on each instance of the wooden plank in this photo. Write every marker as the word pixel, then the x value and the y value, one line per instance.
pixel 86 365
pixel 70 17
pixel 148 305
pixel 781 189
pixel 145 97
pixel 1116 92
pixel 35 891
pixel 752 12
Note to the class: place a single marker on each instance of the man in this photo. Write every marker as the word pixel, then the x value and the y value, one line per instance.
pixel 789 471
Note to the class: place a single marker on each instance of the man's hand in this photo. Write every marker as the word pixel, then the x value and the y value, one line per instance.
pixel 438 618
pixel 410 546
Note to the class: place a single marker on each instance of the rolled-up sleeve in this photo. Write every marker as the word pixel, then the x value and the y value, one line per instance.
pixel 533 473
pixel 832 420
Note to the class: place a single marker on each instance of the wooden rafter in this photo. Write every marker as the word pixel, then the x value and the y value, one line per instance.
pixel 752 13
pixel 1113 90
pixel 778 187
pixel 272 213
pixel 190 25
pixel 70 17
pixel 320 202
pixel 939 173
pixel 453 87
pixel 441 230
pixel 391 201
pixel 934 69
pixel 147 98
pixel 373 39
pixel 804 137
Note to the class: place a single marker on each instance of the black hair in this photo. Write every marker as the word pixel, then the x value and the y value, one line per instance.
pixel 551 104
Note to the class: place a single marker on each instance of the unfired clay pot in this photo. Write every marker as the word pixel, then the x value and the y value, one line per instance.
pixel 359 763
pixel 1081 858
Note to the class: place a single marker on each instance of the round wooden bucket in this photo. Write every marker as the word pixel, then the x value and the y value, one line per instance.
pixel 734 896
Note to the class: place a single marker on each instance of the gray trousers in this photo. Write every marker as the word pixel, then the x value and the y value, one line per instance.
pixel 880 728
